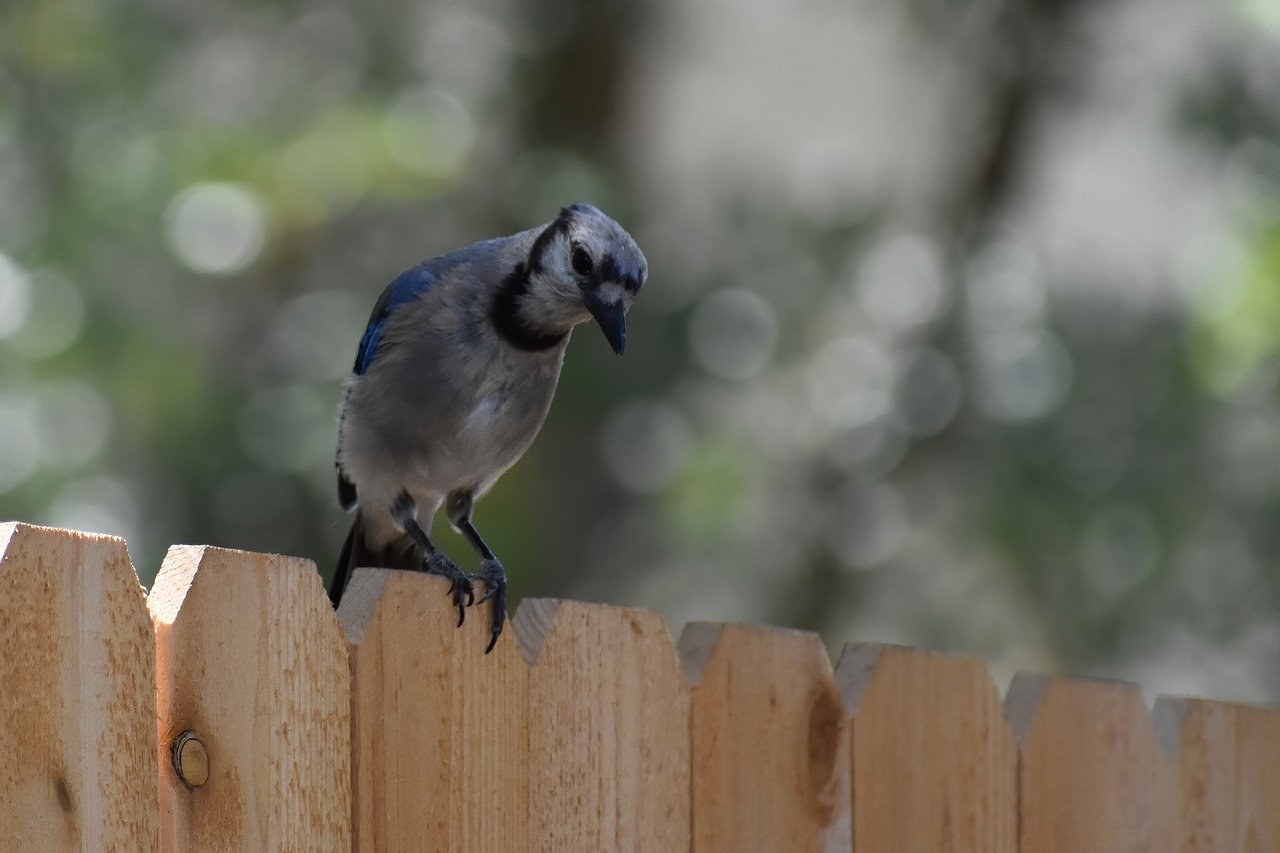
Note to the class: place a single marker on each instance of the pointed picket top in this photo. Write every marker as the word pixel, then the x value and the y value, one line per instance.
pixel 770 740
pixel 934 760
pixel 1227 757
pixel 608 728
pixel 1026 692
pixel 1089 747
pixel 698 642
pixel 77 694
pixel 252 680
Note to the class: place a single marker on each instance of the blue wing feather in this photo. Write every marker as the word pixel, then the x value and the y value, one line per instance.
pixel 411 285
pixel 408 286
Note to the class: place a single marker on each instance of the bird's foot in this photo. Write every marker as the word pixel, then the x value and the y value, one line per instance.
pixel 494 578
pixel 460 589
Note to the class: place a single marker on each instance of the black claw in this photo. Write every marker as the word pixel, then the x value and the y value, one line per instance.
pixel 463 595
pixel 494 578
pixel 499 614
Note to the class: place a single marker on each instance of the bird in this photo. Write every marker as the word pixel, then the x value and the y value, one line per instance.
pixel 452 381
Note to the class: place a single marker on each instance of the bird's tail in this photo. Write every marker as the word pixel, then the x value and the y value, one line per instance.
pixel 346 562
pixel 401 554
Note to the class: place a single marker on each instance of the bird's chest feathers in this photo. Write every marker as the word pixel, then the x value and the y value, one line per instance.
pixel 508 404
pixel 490 415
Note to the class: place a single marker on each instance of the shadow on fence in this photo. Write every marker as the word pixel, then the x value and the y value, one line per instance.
pixel 232 709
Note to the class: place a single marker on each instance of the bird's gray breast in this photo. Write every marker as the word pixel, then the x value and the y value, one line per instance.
pixel 447 404
pixel 504 415
pixel 466 408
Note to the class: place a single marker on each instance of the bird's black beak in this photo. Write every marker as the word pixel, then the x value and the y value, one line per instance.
pixel 612 319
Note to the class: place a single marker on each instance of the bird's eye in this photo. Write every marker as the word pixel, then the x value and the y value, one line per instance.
pixel 581 261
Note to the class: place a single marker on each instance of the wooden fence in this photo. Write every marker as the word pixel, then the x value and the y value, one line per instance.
pixel 231 709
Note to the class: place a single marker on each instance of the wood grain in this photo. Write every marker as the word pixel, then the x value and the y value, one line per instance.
pixel 439 729
pixel 77 702
pixel 934 760
pixel 251 658
pixel 608 729
pixel 770 741
pixel 1228 766
pixel 1092 774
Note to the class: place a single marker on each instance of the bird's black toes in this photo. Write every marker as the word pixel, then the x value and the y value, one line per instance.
pixel 461 593
pixel 494 578
pixel 499 616
pixel 460 589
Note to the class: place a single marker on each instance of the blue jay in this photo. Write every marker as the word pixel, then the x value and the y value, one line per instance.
pixel 453 380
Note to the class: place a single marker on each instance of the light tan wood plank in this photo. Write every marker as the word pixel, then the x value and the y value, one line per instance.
pixel 770 741
pixel 608 729
pixel 251 658
pixel 1092 775
pixel 1228 766
pixel 439 729
pixel 934 761
pixel 77 695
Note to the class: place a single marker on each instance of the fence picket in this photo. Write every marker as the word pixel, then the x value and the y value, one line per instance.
pixel 1228 765
pixel 770 741
pixel 608 728
pixel 439 729
pixel 1092 774
pixel 934 760
pixel 251 659
pixel 77 696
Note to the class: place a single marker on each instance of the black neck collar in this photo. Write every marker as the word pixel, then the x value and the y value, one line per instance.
pixel 506 318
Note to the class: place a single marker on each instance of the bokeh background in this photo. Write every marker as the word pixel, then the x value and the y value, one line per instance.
pixel 962 329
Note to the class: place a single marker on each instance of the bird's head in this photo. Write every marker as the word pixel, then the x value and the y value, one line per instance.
pixel 584 266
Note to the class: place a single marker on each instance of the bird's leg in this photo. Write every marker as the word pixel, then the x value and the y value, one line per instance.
pixel 434 562
pixel 492 575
